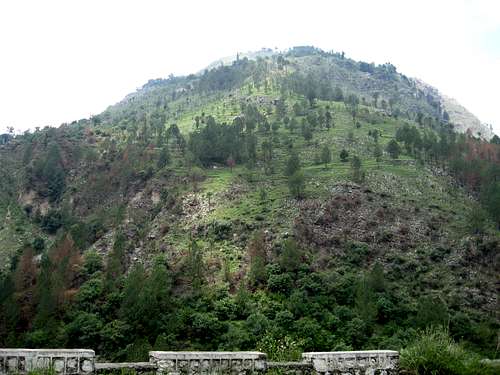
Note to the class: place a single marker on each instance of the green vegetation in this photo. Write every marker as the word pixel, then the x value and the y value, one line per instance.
pixel 434 352
pixel 266 204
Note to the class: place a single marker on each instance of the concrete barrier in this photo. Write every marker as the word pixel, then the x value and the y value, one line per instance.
pixel 62 361
pixel 81 362
pixel 173 363
pixel 383 362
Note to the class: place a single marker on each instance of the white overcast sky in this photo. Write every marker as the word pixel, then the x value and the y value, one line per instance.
pixel 65 60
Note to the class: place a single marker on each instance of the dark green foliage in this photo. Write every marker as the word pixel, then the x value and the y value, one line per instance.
pixel 365 302
pixel 138 351
pixel 38 244
pixel 432 311
pixel 358 175
pixel 89 293
pixel 116 260
pixel 258 260
pixel 195 266
pixel 92 263
pixel 393 149
pixel 376 278
pixel 326 155
pixel 215 143
pixel 434 352
pixel 164 158
pixel 145 297
pixel 477 221
pixel 291 256
pixel 52 221
pixel 293 164
pixel 490 198
pixel 84 329
pixel 338 95
pixel 226 77
pixel 344 155
pixel 410 136
pixel 296 184
pixel 377 152
pixel 307 132
pixel 352 105
pixel 47 175
pixel 46 298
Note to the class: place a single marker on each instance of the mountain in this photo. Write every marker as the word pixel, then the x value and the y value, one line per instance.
pixel 298 200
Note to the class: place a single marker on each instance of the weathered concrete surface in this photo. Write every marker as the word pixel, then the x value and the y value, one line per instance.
pixel 292 368
pixel 370 362
pixel 173 363
pixel 63 361
pixel 136 367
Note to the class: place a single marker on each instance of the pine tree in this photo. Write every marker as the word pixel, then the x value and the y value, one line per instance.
pixel 358 175
pixel 393 149
pixel 377 152
pixel 164 158
pixel 258 260
pixel 296 184
pixel 195 266
pixel 293 164
pixel 365 301
pixel 291 257
pixel 326 155
pixel 344 155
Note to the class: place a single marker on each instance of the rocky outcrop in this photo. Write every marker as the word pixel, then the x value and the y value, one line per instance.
pixel 463 120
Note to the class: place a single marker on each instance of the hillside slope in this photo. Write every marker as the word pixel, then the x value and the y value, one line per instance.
pixel 304 200
pixel 363 85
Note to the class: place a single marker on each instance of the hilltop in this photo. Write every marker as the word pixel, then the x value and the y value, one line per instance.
pixel 298 198
pixel 458 115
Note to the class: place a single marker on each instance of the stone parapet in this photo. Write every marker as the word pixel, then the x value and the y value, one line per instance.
pixel 62 361
pixel 382 362
pixel 176 363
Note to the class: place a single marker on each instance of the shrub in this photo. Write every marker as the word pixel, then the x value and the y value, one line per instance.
pixel 52 221
pixel 434 352
pixel 38 244
pixel 280 349
pixel 344 155
pixel 280 283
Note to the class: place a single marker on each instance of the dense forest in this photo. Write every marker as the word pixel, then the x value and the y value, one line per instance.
pixel 298 202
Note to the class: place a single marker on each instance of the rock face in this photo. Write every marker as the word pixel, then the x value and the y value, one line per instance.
pixel 62 361
pixel 463 120
pixel 208 362
pixel 384 362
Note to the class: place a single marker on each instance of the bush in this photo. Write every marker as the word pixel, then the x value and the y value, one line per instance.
pixel 52 221
pixel 344 155
pixel 38 244
pixel 280 283
pixel 280 349
pixel 434 352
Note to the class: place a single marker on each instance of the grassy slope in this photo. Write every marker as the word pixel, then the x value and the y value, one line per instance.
pixel 404 181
